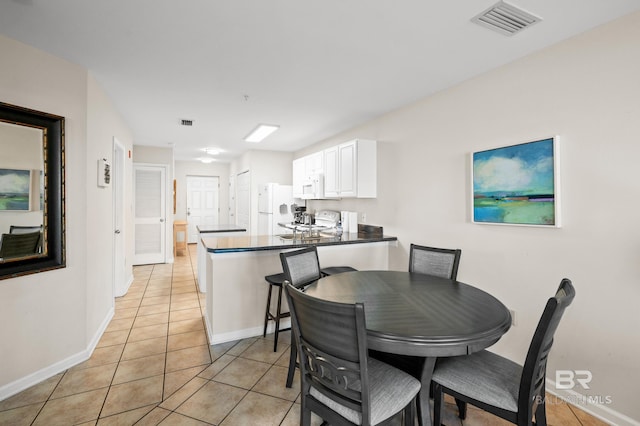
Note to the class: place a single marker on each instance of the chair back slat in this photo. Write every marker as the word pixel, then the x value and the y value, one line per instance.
pixel 15 245
pixel 434 261
pixel 532 383
pixel 301 267
pixel 332 375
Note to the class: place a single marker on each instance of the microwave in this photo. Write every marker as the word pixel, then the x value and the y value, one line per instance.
pixel 313 187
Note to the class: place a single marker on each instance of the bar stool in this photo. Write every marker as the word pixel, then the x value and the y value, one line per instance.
pixel 275 280
pixel 300 267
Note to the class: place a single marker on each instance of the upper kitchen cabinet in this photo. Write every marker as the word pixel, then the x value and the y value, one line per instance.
pixel 350 170
pixel 307 171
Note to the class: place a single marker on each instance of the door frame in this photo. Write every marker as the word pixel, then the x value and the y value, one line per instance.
pixel 120 282
pixel 217 207
pixel 167 243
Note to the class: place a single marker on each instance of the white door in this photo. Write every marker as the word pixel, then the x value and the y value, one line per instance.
pixel 232 200
pixel 119 261
pixel 149 214
pixel 202 204
pixel 243 200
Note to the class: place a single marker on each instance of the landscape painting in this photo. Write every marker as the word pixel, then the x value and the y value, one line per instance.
pixel 14 189
pixel 517 185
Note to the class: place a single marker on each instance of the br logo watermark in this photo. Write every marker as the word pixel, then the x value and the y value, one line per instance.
pixel 579 379
pixel 567 379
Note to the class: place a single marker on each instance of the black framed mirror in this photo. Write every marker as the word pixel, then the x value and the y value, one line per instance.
pixel 32 196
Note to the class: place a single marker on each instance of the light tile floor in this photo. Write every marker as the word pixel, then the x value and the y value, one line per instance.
pixel 153 365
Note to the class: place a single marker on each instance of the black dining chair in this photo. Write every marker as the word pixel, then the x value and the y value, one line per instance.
pixel 339 381
pixel 26 229
pixel 300 267
pixel 498 385
pixel 439 262
pixel 17 245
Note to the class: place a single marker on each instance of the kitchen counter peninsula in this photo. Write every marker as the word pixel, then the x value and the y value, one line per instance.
pixel 219 231
pixel 235 267
pixel 275 242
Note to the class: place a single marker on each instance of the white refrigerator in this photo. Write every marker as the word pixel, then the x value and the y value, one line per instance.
pixel 274 206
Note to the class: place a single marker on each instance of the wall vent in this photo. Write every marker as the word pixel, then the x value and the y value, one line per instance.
pixel 505 19
pixel 187 122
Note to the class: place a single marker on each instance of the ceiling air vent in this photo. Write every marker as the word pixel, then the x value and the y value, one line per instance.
pixel 187 122
pixel 505 19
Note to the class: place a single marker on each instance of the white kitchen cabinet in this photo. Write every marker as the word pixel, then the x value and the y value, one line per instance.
pixel 304 168
pixel 331 182
pixel 314 163
pixel 298 177
pixel 350 170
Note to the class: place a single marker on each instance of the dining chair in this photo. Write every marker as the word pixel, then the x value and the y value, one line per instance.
pixel 434 261
pixel 16 245
pixel 25 229
pixel 498 385
pixel 302 267
pixel 339 381
pixel 299 267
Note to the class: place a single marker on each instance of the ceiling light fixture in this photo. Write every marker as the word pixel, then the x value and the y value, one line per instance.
pixel 213 151
pixel 207 160
pixel 261 132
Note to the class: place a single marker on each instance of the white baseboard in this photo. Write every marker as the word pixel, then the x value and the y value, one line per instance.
pixel 596 406
pixel 126 287
pixel 242 334
pixel 32 379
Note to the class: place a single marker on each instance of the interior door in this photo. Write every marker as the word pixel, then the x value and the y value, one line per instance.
pixel 202 204
pixel 119 260
pixel 243 200
pixel 232 200
pixel 149 213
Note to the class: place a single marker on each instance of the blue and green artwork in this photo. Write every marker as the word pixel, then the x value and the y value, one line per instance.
pixel 516 184
pixel 14 189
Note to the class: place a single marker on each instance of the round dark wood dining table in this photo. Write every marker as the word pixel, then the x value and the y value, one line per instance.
pixel 419 315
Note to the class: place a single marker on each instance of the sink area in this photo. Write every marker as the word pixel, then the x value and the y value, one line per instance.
pixel 286 236
pixel 306 238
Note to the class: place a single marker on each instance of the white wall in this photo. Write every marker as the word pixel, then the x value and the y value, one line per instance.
pixel 265 167
pixel 585 90
pixel 103 123
pixel 51 320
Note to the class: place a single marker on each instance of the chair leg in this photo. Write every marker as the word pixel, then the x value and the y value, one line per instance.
pixel 410 414
pixel 437 404
pixel 266 315
pixel 541 414
pixel 305 415
pixel 462 409
pixel 292 364
pixel 275 338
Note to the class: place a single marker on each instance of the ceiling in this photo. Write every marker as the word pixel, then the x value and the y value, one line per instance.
pixel 315 68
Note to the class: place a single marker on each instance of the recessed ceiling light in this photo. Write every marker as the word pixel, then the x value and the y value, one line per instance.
pixel 207 160
pixel 213 151
pixel 261 132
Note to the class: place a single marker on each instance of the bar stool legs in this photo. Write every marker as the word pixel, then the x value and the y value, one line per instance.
pixel 275 280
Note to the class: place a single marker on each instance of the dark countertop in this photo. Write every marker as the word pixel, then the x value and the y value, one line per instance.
pixel 273 242
pixel 205 229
